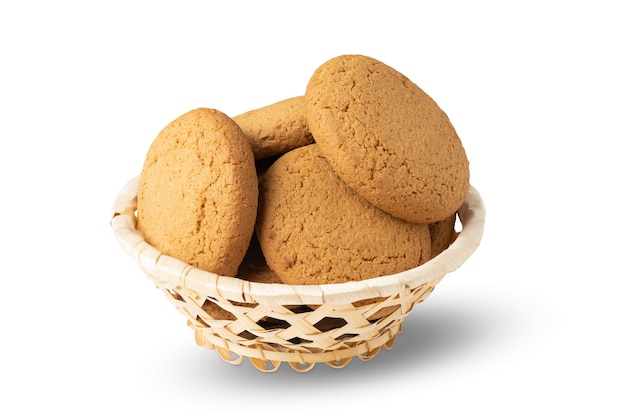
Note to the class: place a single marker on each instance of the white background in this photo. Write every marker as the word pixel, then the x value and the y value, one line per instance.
pixel 532 324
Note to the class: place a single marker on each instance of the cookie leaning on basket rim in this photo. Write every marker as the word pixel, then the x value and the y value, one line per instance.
pixel 270 322
pixel 387 139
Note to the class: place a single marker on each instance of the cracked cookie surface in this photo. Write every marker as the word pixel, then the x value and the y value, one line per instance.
pixel 276 128
pixel 387 139
pixel 198 192
pixel 314 229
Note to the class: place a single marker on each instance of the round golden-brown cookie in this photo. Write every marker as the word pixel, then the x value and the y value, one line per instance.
pixel 314 229
pixel 198 192
pixel 387 139
pixel 276 128
pixel 442 234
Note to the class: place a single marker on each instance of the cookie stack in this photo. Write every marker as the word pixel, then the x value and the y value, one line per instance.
pixel 360 177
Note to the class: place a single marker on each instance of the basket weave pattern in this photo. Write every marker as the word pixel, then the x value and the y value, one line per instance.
pixel 298 324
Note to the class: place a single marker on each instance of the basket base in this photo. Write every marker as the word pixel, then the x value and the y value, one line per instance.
pixel 267 358
pixel 335 341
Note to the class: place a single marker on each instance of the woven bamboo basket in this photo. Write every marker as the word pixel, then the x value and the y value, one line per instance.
pixel 301 325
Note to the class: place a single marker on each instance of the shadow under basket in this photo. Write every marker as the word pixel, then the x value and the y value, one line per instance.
pixel 298 324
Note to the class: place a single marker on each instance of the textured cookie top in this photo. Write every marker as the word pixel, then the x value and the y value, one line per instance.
pixel 314 229
pixel 276 128
pixel 387 139
pixel 198 192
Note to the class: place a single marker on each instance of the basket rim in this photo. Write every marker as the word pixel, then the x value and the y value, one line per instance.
pixel 168 272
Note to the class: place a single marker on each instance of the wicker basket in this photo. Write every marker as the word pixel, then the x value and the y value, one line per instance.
pixel 298 324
